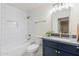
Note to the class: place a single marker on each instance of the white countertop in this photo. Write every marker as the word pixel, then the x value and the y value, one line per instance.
pixel 63 40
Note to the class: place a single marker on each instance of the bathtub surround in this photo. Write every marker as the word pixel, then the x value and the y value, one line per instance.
pixel 14 31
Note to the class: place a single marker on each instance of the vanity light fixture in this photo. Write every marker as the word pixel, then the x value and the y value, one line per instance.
pixel 60 6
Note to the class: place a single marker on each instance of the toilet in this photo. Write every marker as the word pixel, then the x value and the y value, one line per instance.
pixel 32 49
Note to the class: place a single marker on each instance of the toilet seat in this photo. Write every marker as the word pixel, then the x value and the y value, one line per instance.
pixel 32 48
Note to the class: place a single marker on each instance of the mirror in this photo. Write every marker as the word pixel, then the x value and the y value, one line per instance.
pixel 65 21
pixel 60 21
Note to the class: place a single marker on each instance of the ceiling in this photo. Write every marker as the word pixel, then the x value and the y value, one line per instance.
pixel 28 6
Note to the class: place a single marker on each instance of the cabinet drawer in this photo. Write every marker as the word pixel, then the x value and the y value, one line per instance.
pixel 49 43
pixel 69 48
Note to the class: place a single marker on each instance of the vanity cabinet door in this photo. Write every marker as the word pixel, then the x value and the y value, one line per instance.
pixel 48 51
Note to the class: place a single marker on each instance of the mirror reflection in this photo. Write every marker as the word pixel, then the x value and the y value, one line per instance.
pixel 62 19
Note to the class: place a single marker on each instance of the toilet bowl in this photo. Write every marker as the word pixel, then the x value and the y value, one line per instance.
pixel 32 49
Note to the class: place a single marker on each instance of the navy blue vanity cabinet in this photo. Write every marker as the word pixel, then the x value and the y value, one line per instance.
pixel 54 48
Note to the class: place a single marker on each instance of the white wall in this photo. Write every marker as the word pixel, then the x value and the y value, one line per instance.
pixel 14 29
pixel 55 16
pixel 74 18
pixel 0 29
pixel 39 14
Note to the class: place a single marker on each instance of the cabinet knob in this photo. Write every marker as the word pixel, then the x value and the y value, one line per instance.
pixel 77 47
pixel 58 51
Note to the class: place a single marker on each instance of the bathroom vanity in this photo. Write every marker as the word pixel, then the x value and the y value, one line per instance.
pixel 59 47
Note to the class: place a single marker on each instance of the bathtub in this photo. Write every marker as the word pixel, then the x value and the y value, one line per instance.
pixel 15 50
